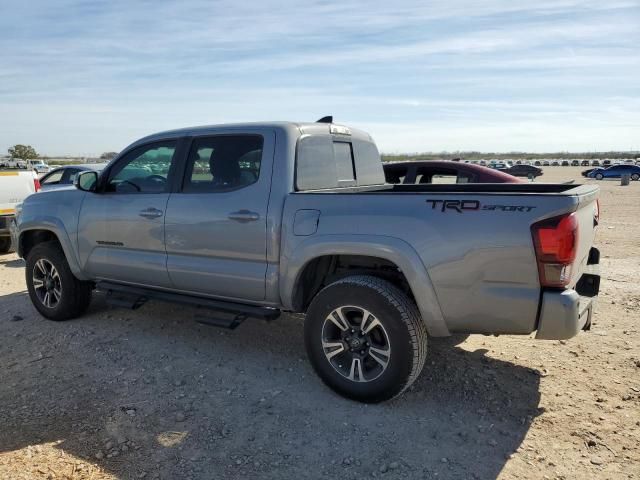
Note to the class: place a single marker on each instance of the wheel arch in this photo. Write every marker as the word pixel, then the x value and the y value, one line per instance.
pixel 313 262
pixel 31 235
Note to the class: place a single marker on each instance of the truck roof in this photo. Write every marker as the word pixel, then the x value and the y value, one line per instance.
pixel 301 127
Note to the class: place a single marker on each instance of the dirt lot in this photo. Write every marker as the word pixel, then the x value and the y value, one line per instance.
pixel 151 394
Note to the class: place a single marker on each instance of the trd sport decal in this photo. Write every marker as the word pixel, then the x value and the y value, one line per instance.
pixel 473 205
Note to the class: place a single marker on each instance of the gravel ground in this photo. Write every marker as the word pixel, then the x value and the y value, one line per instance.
pixel 151 394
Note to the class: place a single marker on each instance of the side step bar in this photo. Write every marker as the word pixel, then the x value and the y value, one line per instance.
pixel 229 314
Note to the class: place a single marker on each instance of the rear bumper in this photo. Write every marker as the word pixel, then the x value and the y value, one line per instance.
pixel 563 313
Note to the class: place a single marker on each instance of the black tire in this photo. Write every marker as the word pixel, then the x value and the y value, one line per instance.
pixel 400 322
pixel 599 176
pixel 5 244
pixel 635 177
pixel 75 295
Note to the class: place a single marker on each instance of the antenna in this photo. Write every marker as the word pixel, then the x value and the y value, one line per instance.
pixel 327 119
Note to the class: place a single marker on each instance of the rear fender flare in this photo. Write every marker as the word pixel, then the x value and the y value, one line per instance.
pixel 392 249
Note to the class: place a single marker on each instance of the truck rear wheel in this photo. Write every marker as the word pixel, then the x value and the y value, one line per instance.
pixel 55 292
pixel 5 244
pixel 365 338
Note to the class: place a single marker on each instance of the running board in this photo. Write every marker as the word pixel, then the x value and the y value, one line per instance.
pixel 230 315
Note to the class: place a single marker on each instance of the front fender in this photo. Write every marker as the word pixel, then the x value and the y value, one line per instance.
pixel 392 249
pixel 55 226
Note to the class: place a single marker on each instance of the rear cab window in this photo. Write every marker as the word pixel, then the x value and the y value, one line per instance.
pixel 343 156
pixel 326 161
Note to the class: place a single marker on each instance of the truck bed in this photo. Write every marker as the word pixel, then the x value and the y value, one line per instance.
pixel 474 240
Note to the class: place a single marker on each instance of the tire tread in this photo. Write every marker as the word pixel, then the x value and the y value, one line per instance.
pixel 79 291
pixel 408 314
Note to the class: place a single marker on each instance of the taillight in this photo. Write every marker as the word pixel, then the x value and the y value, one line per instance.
pixel 556 243
pixel 36 184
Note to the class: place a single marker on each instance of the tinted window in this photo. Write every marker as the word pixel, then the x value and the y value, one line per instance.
pixel 344 161
pixel 395 175
pixel 69 175
pixel 441 176
pixel 143 170
pixel 222 163
pixel 53 178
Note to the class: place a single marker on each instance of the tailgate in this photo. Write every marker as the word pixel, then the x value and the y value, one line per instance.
pixel 587 212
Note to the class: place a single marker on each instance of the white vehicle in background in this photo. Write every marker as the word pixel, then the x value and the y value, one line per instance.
pixel 15 163
pixel 40 167
pixel 14 188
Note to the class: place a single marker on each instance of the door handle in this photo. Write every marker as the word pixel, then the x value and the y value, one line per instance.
pixel 244 216
pixel 150 213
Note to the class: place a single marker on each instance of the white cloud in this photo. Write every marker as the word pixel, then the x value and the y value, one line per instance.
pixel 86 77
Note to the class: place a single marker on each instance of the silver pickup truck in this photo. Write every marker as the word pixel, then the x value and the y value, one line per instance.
pixel 250 220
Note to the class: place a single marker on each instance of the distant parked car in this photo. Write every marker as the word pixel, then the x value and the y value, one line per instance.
pixel 546 163
pixel 565 163
pixel 615 171
pixel 606 163
pixel 537 163
pixel 555 163
pixel 443 172
pixel 575 163
pixel 63 176
pixel 584 163
pixel 595 163
pixel 524 171
pixel 629 162
pixel 41 167
pixel 499 166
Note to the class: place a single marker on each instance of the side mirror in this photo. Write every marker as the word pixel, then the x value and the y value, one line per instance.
pixel 86 181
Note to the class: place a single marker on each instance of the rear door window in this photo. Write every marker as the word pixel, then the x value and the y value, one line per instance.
pixel 222 163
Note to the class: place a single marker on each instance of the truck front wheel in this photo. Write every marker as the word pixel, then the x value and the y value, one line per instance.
pixel 365 338
pixel 55 292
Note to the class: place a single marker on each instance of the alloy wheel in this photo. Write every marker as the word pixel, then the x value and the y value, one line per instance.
pixel 47 283
pixel 356 343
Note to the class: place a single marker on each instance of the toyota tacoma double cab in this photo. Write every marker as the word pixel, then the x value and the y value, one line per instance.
pixel 250 220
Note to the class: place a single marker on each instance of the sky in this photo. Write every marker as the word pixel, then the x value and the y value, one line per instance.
pixel 84 77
